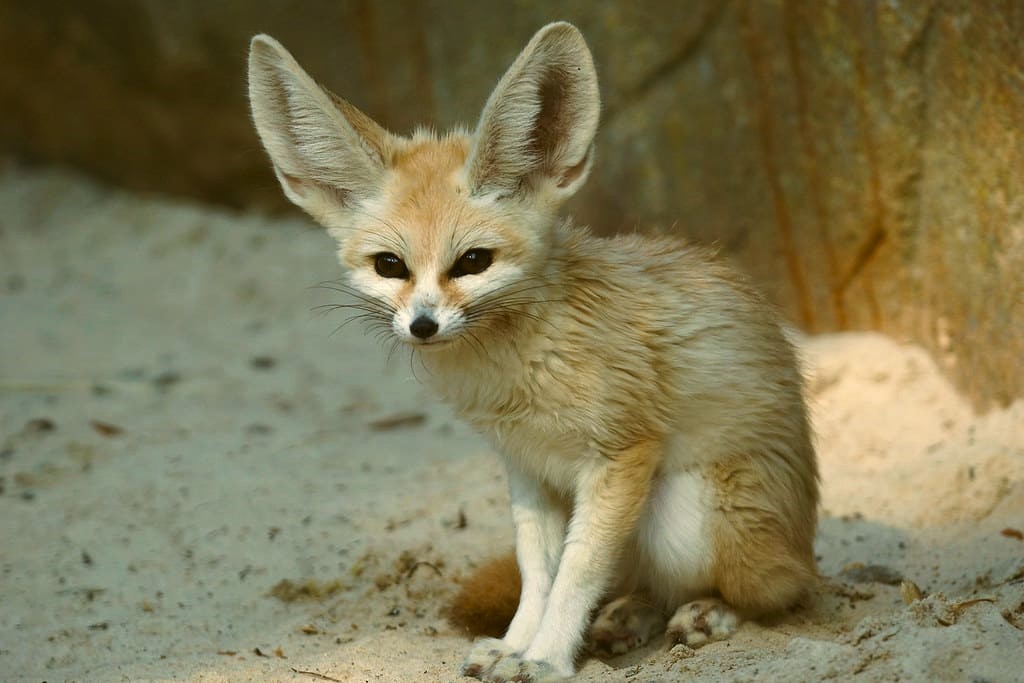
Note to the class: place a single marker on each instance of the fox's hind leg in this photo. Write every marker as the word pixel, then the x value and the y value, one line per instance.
pixel 755 574
pixel 748 525
pixel 761 537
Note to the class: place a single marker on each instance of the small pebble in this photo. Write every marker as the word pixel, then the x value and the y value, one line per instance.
pixel 165 380
pixel 263 362
pixel 40 425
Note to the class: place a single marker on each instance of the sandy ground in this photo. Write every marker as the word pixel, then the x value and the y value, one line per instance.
pixel 179 434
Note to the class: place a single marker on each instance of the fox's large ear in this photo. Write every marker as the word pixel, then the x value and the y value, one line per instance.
pixel 538 126
pixel 326 153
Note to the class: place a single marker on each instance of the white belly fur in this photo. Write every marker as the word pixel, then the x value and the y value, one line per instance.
pixel 672 539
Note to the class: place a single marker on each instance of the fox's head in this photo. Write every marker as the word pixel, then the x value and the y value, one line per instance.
pixel 441 235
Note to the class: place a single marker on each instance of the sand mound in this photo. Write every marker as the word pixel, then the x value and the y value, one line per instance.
pixel 199 481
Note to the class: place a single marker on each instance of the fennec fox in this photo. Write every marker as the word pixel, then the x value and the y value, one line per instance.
pixel 645 401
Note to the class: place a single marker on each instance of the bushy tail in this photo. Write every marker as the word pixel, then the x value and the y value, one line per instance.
pixel 488 598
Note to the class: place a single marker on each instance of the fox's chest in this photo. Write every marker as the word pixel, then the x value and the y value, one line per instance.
pixel 533 416
pixel 550 448
pixel 520 422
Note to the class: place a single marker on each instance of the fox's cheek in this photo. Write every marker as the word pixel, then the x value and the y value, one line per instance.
pixel 401 322
pixel 450 321
pixel 389 290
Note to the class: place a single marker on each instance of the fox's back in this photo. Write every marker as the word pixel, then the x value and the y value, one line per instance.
pixel 704 346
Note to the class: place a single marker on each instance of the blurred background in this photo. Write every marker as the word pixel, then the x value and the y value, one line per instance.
pixel 862 160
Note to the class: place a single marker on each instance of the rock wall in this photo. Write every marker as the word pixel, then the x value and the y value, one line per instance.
pixel 864 161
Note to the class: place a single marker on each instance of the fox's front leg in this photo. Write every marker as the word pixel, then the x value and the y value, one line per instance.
pixel 610 495
pixel 540 520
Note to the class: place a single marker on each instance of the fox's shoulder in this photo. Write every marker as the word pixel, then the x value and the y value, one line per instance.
pixel 652 265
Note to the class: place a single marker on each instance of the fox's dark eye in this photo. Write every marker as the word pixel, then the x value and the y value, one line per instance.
pixel 388 265
pixel 472 262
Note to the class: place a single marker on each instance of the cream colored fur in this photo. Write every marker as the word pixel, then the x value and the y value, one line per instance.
pixel 644 398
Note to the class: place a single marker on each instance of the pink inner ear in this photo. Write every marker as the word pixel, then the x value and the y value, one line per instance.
pixel 294 184
pixel 573 173
pixel 301 187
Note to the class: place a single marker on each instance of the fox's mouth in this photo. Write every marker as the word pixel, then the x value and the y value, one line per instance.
pixel 430 343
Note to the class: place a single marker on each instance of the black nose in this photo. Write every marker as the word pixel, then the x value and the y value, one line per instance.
pixel 423 327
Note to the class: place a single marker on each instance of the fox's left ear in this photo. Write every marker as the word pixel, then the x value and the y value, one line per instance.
pixel 537 130
pixel 327 154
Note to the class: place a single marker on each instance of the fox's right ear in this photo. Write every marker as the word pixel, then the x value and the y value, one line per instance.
pixel 326 153
pixel 537 128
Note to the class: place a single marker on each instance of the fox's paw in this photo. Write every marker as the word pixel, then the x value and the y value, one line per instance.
pixel 625 624
pixel 493 661
pixel 701 622
pixel 485 655
pixel 515 669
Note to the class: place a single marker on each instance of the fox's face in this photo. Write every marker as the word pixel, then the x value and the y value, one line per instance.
pixel 439 262
pixel 445 238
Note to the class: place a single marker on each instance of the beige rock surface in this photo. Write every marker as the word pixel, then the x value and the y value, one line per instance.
pixel 864 161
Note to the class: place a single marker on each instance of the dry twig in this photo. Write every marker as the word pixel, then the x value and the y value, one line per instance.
pixel 314 674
